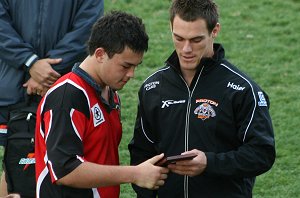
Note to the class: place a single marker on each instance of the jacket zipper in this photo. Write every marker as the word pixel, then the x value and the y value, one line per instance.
pixel 187 123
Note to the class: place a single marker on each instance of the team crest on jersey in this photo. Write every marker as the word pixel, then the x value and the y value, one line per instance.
pixel 97 115
pixel 205 110
pixel 262 101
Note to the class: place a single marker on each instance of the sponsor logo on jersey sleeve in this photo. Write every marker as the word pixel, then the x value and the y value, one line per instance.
pixel 262 100
pixel 97 115
pixel 151 85
pixel 205 110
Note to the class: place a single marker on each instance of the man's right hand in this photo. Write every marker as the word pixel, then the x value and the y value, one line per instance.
pixel 43 73
pixel 34 88
pixel 150 176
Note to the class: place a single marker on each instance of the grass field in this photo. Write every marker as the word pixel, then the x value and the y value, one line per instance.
pixel 260 37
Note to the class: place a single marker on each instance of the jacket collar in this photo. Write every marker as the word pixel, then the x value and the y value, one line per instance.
pixel 89 80
pixel 208 63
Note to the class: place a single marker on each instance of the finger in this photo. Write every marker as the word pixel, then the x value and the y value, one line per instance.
pixel 30 91
pixel 43 92
pixel 53 61
pixel 163 176
pixel 179 172
pixel 47 84
pixel 194 151
pixel 160 183
pixel 183 172
pixel 164 170
pixel 54 75
pixel 155 159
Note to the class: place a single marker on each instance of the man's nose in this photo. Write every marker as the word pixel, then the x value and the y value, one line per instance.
pixel 187 46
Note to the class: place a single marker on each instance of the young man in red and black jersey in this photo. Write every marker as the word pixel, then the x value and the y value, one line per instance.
pixel 78 120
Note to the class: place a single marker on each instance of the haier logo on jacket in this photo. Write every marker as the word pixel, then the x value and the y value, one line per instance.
pixel 236 87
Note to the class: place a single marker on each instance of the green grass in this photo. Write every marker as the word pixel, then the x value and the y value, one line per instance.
pixel 262 39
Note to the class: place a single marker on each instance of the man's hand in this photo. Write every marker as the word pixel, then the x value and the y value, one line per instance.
pixel 190 167
pixel 43 73
pixel 150 176
pixel 14 195
pixel 34 87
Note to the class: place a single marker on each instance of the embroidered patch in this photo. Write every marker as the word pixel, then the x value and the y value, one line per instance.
pixel 97 115
pixel 235 87
pixel 205 110
pixel 167 103
pixel 262 101
pixel 151 85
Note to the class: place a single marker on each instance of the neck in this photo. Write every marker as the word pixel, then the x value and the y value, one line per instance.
pixel 105 93
pixel 89 66
pixel 188 76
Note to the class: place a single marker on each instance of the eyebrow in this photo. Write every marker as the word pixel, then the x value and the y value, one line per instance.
pixel 196 37
pixel 131 64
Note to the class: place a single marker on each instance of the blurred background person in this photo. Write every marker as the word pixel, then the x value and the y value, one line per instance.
pixel 40 40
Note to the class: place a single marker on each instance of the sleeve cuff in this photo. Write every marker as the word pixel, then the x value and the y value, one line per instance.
pixel 31 60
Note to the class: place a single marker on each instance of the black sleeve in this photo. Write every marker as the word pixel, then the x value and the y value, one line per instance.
pixel 256 154
pixel 66 112
pixel 142 147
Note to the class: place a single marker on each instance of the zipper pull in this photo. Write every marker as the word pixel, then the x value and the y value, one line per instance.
pixel 28 116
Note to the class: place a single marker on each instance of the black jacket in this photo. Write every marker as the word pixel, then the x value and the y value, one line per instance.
pixel 223 113
pixel 45 28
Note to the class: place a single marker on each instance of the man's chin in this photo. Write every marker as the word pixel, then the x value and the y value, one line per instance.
pixel 188 65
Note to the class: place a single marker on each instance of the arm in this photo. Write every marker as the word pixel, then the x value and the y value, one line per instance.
pixel 256 154
pixel 11 43
pixel 142 146
pixel 93 175
pixel 71 48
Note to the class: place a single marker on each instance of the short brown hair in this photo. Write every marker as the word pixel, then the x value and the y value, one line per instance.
pixel 191 10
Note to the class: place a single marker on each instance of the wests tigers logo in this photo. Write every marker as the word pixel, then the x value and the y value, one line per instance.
pixel 205 109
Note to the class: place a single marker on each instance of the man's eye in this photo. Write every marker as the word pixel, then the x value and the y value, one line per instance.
pixel 196 40
pixel 179 39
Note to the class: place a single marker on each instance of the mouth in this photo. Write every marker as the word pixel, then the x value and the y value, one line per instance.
pixel 124 81
pixel 188 58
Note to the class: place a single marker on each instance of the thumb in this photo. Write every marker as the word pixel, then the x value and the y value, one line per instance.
pixel 156 158
pixel 53 61
pixel 194 151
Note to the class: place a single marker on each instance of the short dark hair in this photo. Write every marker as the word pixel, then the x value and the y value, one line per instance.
pixel 191 10
pixel 117 30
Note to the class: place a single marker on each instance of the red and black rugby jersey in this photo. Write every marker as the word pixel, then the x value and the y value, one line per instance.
pixel 73 126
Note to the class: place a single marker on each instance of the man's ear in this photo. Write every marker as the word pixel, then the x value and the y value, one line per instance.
pixel 100 54
pixel 216 30
pixel 171 26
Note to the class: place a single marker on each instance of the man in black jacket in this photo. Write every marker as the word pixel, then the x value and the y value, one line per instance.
pixel 200 103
